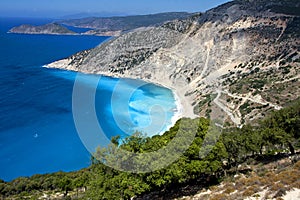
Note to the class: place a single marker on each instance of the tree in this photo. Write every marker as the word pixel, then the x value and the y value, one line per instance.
pixel 277 137
pixel 81 182
pixel 65 184
pixel 287 119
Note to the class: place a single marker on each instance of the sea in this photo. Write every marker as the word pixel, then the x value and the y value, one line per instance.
pixel 53 120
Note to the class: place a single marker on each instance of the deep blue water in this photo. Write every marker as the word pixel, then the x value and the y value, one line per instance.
pixel 37 128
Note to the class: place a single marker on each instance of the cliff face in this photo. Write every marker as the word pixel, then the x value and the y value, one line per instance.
pixel 52 28
pixel 240 59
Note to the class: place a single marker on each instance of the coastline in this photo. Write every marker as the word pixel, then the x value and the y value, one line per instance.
pixel 41 33
pixel 183 103
pixel 106 34
pixel 177 114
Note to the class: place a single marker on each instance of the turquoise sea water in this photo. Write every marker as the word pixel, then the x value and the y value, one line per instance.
pixel 37 130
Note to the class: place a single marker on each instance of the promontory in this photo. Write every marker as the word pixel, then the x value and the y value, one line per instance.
pixel 52 28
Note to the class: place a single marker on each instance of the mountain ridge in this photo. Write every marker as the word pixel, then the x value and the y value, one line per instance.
pixel 114 26
pixel 103 26
pixel 125 22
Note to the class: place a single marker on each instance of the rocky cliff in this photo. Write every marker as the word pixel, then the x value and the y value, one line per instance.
pixel 52 28
pixel 235 62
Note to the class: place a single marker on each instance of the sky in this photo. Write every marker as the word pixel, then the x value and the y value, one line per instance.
pixel 59 8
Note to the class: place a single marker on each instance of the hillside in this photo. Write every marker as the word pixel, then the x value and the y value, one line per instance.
pixel 117 25
pixel 52 28
pixel 254 162
pixel 276 179
pixel 234 63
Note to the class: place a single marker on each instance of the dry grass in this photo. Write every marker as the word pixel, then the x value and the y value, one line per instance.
pixel 219 197
pixel 277 182
pixel 230 188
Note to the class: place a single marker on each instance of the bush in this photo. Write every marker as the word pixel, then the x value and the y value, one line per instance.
pixel 219 197
pixel 251 191
pixel 229 189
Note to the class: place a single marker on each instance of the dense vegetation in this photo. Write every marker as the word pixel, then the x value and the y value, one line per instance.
pixel 278 133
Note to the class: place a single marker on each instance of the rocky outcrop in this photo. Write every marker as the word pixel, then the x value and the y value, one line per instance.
pixel 52 28
pixel 233 63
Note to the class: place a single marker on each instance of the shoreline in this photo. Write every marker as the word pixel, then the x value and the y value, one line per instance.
pixel 177 114
pixel 33 33
pixel 183 103
pixel 65 34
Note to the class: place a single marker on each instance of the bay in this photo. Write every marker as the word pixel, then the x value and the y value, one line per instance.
pixel 37 130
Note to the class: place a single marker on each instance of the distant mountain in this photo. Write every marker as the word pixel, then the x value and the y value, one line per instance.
pixel 104 26
pixel 125 23
pixel 53 28
pixel 92 14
